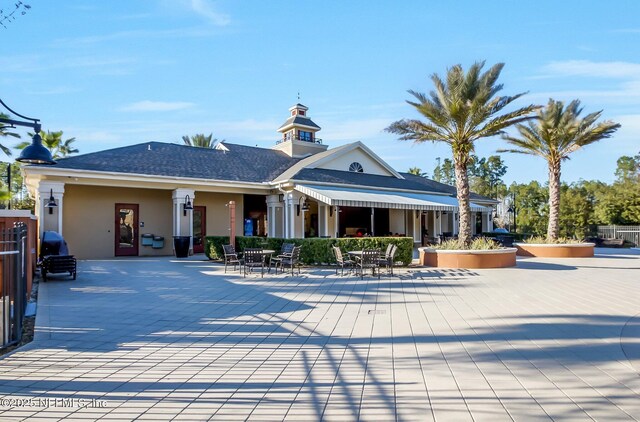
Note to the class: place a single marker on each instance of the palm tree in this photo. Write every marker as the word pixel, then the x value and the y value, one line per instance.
pixel 557 133
pixel 417 171
pixel 54 143
pixel 4 132
pixel 201 140
pixel 463 108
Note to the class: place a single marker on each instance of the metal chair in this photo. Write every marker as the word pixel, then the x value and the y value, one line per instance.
pixel 253 258
pixel 230 257
pixel 341 260
pixel 369 259
pixel 291 261
pixel 285 252
pixel 387 260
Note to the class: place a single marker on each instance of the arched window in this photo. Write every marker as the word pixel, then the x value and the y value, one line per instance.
pixel 357 167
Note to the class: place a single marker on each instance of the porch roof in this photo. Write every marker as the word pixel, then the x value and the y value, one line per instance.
pixel 352 197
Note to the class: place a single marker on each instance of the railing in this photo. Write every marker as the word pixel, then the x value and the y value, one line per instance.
pixel 298 138
pixel 13 274
pixel 628 233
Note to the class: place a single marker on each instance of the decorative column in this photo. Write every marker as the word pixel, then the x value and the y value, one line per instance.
pixel 50 220
pixel 273 215
pixel 183 224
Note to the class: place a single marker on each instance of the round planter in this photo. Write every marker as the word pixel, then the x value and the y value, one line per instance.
pixel 562 250
pixel 494 258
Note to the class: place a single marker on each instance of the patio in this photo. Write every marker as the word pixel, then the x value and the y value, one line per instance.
pixel 162 339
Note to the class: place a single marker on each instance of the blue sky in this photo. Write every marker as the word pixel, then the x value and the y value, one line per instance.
pixel 114 73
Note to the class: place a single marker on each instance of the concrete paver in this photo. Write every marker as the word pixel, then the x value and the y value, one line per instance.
pixel 164 339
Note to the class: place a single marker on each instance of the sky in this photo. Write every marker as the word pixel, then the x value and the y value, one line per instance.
pixel 115 73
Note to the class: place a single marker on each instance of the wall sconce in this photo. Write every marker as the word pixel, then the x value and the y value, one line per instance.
pixel 417 214
pixel 304 206
pixel 330 211
pixel 281 197
pixel 52 203
pixel 187 205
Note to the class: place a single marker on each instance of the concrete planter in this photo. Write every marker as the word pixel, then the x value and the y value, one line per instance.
pixel 494 258
pixel 562 250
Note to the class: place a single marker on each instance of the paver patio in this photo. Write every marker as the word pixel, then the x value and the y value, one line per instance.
pixel 162 339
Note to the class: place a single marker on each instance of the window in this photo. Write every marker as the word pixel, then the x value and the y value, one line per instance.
pixel 304 136
pixel 356 167
pixel 301 112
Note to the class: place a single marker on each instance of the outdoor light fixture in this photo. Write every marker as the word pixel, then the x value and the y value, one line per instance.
pixel 52 203
pixel 304 206
pixel 35 153
pixel 187 205
pixel 513 210
pixel 281 197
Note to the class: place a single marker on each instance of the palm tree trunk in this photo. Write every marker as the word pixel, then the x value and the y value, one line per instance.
pixel 554 202
pixel 462 188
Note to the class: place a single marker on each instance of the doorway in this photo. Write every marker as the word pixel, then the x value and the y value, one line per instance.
pixel 199 228
pixel 126 230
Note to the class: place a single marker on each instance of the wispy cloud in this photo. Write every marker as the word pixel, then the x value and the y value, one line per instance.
pixel 208 11
pixel 588 68
pixel 145 106
pixel 133 34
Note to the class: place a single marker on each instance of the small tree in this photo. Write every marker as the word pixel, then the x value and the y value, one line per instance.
pixel 463 108
pixel 555 135
pixel 417 171
pixel 54 143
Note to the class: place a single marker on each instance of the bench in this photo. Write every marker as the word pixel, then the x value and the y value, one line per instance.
pixel 612 243
pixel 56 264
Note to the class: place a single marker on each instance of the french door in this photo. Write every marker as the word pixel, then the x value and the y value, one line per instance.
pixel 126 230
pixel 199 228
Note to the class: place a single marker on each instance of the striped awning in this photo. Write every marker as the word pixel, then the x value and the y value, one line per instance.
pixel 352 197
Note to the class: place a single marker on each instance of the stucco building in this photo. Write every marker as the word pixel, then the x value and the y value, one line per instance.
pixel 109 202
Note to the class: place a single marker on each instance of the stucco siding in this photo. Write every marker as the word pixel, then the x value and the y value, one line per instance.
pixel 89 219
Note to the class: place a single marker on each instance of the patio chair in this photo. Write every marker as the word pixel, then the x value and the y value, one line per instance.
pixel 291 261
pixel 230 257
pixel 341 260
pixel 285 252
pixel 253 258
pixel 387 260
pixel 369 259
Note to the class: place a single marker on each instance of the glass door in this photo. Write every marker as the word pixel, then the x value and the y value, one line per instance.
pixel 126 230
pixel 199 228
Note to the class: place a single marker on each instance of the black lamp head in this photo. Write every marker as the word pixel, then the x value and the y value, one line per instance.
pixel 51 204
pixel 36 153
pixel 187 205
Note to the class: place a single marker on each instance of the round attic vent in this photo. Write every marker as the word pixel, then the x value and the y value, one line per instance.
pixel 355 166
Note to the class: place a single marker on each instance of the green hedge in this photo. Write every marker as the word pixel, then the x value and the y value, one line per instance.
pixel 315 251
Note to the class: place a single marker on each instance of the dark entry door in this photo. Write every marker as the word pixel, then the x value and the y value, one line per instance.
pixel 199 228
pixel 126 229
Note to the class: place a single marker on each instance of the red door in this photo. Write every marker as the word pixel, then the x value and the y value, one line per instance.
pixel 126 230
pixel 199 228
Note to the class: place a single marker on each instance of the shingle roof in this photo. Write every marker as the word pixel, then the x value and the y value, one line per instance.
pixel 410 181
pixel 241 163
pixel 299 120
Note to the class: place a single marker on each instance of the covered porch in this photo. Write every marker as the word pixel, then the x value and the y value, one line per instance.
pixel 329 211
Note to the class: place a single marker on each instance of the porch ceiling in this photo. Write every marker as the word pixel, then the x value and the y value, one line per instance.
pixel 350 197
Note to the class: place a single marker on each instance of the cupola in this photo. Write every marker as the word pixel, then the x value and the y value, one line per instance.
pixel 299 134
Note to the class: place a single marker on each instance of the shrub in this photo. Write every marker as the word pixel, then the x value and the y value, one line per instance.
pixel 478 244
pixel 315 251
pixel 543 240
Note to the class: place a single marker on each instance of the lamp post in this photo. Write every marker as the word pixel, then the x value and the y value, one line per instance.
pixel 35 153
pixel 513 210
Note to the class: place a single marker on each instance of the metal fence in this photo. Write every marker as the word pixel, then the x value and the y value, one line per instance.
pixel 628 233
pixel 13 271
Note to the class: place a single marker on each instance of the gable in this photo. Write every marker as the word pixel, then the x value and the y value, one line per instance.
pixel 342 162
